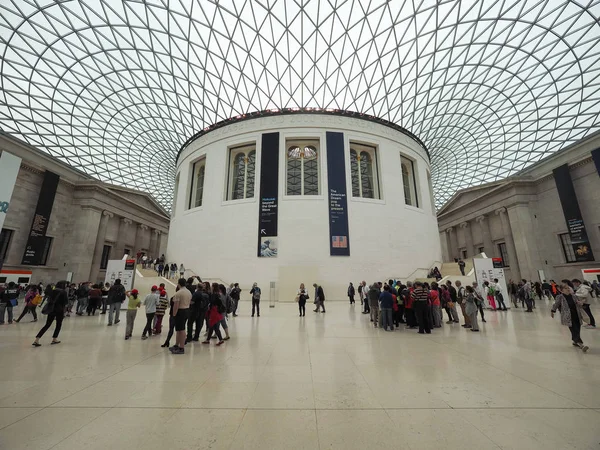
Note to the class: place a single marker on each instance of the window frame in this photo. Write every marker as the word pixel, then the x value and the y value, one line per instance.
pixel 409 163
pixel 302 142
pixel 10 233
pixel 567 245
pixel 503 251
pixel 105 256
pixel 233 152
pixel 373 150
pixel 197 165
pixel 430 186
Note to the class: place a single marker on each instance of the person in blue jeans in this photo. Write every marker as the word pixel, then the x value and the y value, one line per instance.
pixel 8 300
pixel 386 307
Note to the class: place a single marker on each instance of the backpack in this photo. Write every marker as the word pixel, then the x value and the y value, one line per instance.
pixel 256 294
pixel 81 292
pixel 360 288
pixel 49 306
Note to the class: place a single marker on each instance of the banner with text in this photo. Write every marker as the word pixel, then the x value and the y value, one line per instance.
pixel 37 235
pixel 570 205
pixel 269 189
pixel 9 170
pixel 339 240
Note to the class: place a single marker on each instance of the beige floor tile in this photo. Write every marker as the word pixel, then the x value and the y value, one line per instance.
pixel 47 393
pixel 219 395
pixel 262 429
pixel 8 416
pixel 105 394
pixel 169 394
pixel 242 374
pixel 280 395
pixel 286 374
pixel 345 396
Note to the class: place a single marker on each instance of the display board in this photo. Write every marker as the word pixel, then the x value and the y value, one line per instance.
pixel 269 196
pixel 339 240
pixel 122 269
pixel 488 269
pixel 9 170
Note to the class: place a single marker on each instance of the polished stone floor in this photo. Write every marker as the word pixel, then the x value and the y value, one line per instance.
pixel 326 381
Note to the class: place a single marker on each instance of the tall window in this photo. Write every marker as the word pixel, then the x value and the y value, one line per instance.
pixel 567 246
pixel 242 163
pixel 409 182
pixel 430 185
pixel 503 254
pixel 302 163
pixel 47 248
pixel 5 237
pixel 363 169
pixel 197 184
pixel 175 193
pixel 105 256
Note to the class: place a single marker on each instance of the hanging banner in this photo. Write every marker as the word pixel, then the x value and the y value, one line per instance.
pixel 37 235
pixel 570 206
pixel 339 241
pixel 596 158
pixel 269 189
pixel 9 170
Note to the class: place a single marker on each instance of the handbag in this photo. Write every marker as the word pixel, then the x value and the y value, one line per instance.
pixel 450 304
pixel 297 298
pixel 13 302
pixel 36 300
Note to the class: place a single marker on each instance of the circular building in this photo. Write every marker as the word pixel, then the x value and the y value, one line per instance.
pixel 295 196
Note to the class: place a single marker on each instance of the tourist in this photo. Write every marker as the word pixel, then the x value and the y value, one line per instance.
pixel 407 298
pixel 386 302
pixel 72 298
pixel 302 296
pixel 461 295
pixel 132 307
pixel 461 266
pixel 82 298
pixel 150 302
pixel 529 291
pixel 479 300
pixel 421 297
pixel 181 305
pixel 399 311
pixel 202 300
pixel 194 317
pixel 351 293
pixel 365 291
pixel 452 303
pixel 161 307
pixel 8 301
pixel 255 292
pixel 436 306
pixel 489 292
pixel 173 270
pixel 512 292
pixel 181 270
pixel 471 308
pixel 55 309
pixel 116 296
pixel 498 295
pixel 360 293
pixel 571 314
pixel 215 316
pixel 105 290
pixel 583 292
pixel 31 296
pixel 226 300
pixel 235 295
pixel 373 295
pixel 171 324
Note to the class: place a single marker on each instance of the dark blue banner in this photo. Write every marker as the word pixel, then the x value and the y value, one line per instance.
pixel 339 239
pixel 596 158
pixel 570 206
pixel 269 188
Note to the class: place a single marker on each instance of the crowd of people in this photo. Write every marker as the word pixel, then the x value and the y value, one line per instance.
pixel 198 305
pixel 163 268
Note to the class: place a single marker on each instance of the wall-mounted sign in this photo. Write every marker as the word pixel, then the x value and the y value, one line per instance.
pixel 269 188
pixel 339 241
pixel 37 235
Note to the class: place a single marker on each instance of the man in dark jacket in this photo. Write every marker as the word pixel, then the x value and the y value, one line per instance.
pixel 351 293
pixel 373 299
pixel 116 296
pixel 8 300
pixel 198 309
pixel 319 297
pixel 235 296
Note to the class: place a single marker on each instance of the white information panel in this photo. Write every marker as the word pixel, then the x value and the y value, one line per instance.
pixel 9 169
pixel 124 269
pixel 486 269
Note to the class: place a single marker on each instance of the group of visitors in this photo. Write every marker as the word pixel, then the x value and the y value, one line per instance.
pixel 319 298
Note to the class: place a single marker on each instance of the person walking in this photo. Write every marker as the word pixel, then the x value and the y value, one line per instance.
pixel 461 266
pixel 365 298
pixel 181 306
pixel 150 302
pixel 132 307
pixel 202 299
pixel 583 292
pixel 478 300
pixel 452 303
pixel 373 295
pixel 571 314
pixel 32 300
pixel 161 307
pixel 461 295
pixel 116 296
pixel 95 300
pixel 55 310
pixel 351 293
pixel 421 297
pixel 105 290
pixel 319 298
pixel 215 316
pixel 181 270
pixel 489 290
pixel 498 295
pixel 171 325
pixel 471 308
pixel 436 307
pixel 82 298
pixel 386 302
pixel 255 292
pixel 8 301
pixel 302 296
pixel 235 296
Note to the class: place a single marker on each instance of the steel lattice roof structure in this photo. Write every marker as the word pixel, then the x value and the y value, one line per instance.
pixel 114 88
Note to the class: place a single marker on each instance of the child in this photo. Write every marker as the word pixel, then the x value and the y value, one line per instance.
pixel 132 307
pixel 161 307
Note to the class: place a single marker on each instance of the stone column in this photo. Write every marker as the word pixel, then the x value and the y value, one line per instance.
pixel 139 238
pixel 468 239
pixel 122 237
pixel 82 242
pixel 100 237
pixel 523 233
pixel 510 244
pixel 488 245
pixel 154 238
pixel 452 243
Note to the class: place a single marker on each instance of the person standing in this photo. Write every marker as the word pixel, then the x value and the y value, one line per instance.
pixel 105 290
pixel 351 293
pixel 498 295
pixel 181 305
pixel 583 294
pixel 215 316
pixel 571 314
pixel 116 296
pixel 255 292
pixel 452 304
pixel 31 297
pixel 55 308
pixel 150 302
pixel 461 266
pixel 203 301
pixel 95 299
pixel 373 295
pixel 235 296
pixel 365 298
pixel 319 298
pixel 181 270
pixel 478 300
pixel 161 307
pixel 82 298
pixel 8 301
pixel 387 303
pixel 132 307
pixel 462 301
pixel 436 306
pixel 421 297
pixel 471 308
pixel 490 294
pixel 302 296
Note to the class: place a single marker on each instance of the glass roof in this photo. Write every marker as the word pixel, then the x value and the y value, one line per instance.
pixel 114 88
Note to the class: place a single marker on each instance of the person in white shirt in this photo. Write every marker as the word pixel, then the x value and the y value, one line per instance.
pixel 583 293
pixel 499 295
pixel 150 303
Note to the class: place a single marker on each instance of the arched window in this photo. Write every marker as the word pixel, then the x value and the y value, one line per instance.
pixel 363 169
pixel 197 184
pixel 242 161
pixel 302 168
pixel 409 182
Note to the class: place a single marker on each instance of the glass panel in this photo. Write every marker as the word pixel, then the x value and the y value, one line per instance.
pixel 354 173
pixel 294 177
pixel 406 185
pixel 199 186
pixel 294 152
pixel 366 175
pixel 239 175
pixel 567 248
pixel 250 171
pixel 311 176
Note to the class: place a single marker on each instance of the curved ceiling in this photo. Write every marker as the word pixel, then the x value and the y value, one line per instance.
pixel 115 87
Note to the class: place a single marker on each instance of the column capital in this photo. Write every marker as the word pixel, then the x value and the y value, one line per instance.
pixel 157 232
pixel 463 224
pixel 480 218
pixel 449 230
pixel 126 221
pixel 500 211
pixel 108 214
pixel 143 226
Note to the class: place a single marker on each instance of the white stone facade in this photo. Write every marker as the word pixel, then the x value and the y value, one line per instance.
pixel 388 238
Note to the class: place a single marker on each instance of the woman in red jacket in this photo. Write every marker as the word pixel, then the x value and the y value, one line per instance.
pixel 215 315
